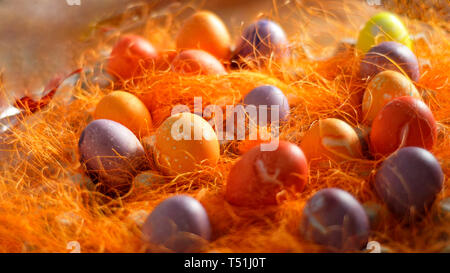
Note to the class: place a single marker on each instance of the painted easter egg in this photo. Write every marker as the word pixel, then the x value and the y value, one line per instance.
pixel 404 121
pixel 334 219
pixel 179 223
pixel 390 55
pixel 127 109
pixel 130 54
pixel 261 40
pixel 383 26
pixel 183 141
pixel 206 31
pixel 409 180
pixel 331 139
pixel 197 62
pixel 266 99
pixel 260 175
pixel 384 87
pixel 111 155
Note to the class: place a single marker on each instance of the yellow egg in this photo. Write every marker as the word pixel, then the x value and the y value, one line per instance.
pixel 126 109
pixel 383 26
pixel 384 87
pixel 333 139
pixel 206 31
pixel 183 141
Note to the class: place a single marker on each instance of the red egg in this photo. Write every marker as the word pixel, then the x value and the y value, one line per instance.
pixel 197 62
pixel 405 121
pixel 259 176
pixel 129 56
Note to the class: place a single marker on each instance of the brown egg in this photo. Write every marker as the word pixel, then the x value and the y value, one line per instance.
pixel 331 138
pixel 126 109
pixel 183 141
pixel 197 62
pixel 384 87
pixel 206 31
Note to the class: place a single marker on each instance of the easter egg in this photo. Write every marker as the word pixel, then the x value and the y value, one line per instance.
pixel 111 155
pixel 334 219
pixel 206 31
pixel 197 62
pixel 259 176
pixel 264 98
pixel 384 87
pixel 332 139
pixel 404 121
pixel 390 55
pixel 127 109
pixel 130 54
pixel 383 26
pixel 178 224
pixel 409 180
pixel 261 40
pixel 183 141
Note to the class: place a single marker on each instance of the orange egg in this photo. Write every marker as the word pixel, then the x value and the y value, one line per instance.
pixel 206 31
pixel 331 138
pixel 183 141
pixel 197 62
pixel 126 109
pixel 129 55
pixel 384 87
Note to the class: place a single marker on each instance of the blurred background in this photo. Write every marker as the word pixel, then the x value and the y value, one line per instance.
pixel 43 38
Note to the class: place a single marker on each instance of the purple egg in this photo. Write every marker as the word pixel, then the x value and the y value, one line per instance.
pixel 264 98
pixel 389 56
pixel 179 223
pixel 260 40
pixel 335 219
pixel 111 155
pixel 409 180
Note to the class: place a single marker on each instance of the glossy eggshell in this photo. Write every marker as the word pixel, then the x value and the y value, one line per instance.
pixel 409 180
pixel 206 31
pixel 177 223
pixel 331 139
pixel 264 97
pixel 260 40
pixel 111 154
pixel 404 121
pixel 258 176
pixel 177 154
pixel 390 56
pixel 381 27
pixel 335 219
pixel 383 88
pixel 130 54
pixel 127 109
pixel 197 62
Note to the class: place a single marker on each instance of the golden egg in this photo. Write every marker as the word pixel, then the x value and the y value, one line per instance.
pixel 183 141
pixel 384 87
pixel 333 139
pixel 126 109
pixel 206 31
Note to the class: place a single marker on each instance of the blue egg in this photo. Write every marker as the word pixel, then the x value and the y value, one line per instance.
pixel 264 98
pixel 334 219
pixel 179 223
pixel 111 155
pixel 260 40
